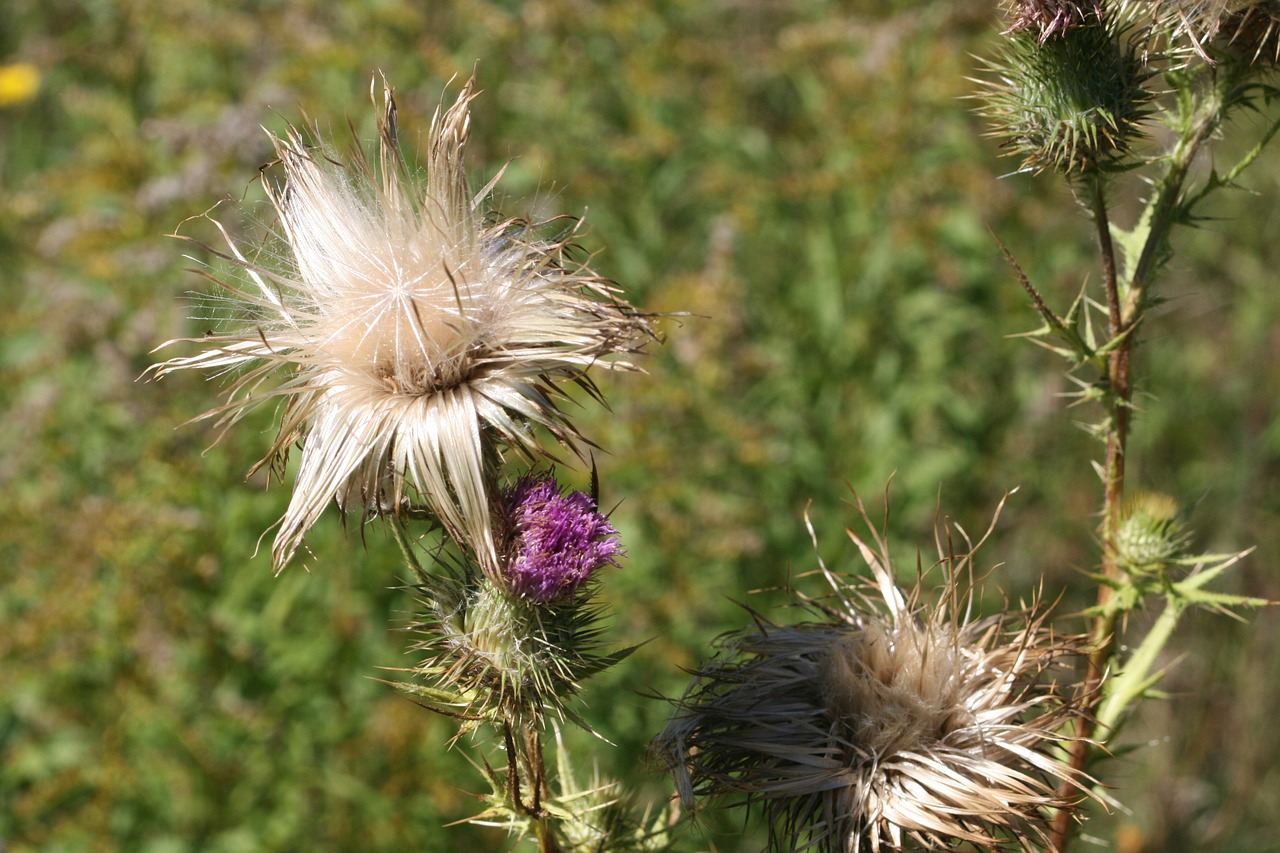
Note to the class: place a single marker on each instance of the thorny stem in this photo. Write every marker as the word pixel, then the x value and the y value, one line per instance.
pixel 1164 203
pixel 1119 396
pixel 526 758
pixel 513 768
pixel 547 842
pixel 1126 302
pixel 1120 392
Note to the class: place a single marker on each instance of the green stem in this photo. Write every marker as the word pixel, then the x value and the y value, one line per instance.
pixel 1199 120
pixel 406 547
pixel 1133 679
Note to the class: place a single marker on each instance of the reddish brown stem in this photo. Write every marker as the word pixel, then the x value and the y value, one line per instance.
pixel 1119 395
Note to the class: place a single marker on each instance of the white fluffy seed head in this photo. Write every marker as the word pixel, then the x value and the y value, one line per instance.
pixel 890 723
pixel 413 341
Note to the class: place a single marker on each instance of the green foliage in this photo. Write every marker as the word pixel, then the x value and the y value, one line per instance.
pixel 803 179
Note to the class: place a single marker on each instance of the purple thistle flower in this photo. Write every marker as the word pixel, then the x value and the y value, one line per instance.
pixel 557 541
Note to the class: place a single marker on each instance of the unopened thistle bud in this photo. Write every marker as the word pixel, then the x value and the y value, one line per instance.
pixel 1150 534
pixel 886 724
pixel 1073 103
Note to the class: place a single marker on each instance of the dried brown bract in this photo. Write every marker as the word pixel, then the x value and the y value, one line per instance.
pixel 888 722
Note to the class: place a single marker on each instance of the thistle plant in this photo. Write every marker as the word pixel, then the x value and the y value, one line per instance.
pixel 422 350
pixel 1084 102
pixel 892 723
pixel 420 347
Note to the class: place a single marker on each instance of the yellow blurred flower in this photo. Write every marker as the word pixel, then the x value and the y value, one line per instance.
pixel 18 82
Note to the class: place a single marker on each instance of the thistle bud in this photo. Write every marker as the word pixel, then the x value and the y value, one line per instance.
pixel 1151 533
pixel 516 642
pixel 1073 103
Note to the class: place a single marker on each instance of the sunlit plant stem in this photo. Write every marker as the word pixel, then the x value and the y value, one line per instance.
pixel 1201 109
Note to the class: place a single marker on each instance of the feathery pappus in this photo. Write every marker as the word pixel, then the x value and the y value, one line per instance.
pixel 884 723
pixel 412 339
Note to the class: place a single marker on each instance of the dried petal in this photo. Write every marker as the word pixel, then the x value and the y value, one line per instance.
pixel 888 724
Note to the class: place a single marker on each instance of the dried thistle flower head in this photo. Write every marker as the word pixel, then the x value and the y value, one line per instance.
pixel 416 340
pixel 1246 30
pixel 887 724
pixel 1073 103
pixel 1050 17
pixel 1252 33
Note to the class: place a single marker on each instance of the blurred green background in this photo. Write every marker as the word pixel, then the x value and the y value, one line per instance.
pixel 805 178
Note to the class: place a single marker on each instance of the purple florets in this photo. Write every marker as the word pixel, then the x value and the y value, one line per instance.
pixel 558 541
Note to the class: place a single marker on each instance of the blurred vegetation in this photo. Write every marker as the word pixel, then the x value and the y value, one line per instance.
pixel 806 179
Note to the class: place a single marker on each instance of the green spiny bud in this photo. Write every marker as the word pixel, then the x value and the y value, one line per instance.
pixel 1151 533
pixel 1074 102
pixel 494 655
